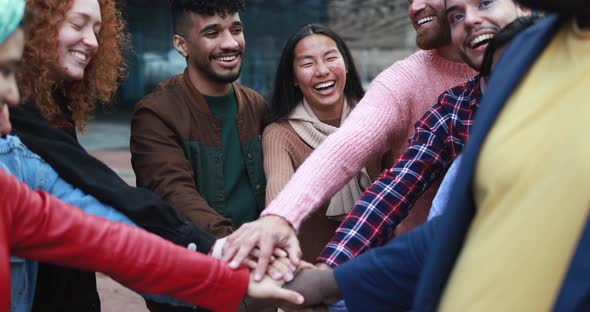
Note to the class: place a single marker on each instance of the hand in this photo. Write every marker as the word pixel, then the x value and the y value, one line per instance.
pixel 268 288
pixel 319 288
pixel 266 233
pixel 280 267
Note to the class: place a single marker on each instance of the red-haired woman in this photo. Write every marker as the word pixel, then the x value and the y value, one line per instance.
pixel 73 59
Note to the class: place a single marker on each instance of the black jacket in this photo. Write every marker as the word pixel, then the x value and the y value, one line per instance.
pixel 60 289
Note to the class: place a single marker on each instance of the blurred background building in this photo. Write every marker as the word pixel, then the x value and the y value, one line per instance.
pixel 377 31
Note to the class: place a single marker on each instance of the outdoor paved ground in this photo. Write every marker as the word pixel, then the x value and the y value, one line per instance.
pixel 107 138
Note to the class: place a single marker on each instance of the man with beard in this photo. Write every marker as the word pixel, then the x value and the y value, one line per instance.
pixel 381 121
pixel 517 233
pixel 195 141
pixel 439 136
pixel 516 236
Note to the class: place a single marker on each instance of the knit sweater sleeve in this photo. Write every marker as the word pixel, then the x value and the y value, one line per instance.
pixel 278 165
pixel 379 116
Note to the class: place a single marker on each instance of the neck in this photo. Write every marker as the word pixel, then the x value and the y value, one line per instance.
pixel 328 113
pixel 449 53
pixel 206 86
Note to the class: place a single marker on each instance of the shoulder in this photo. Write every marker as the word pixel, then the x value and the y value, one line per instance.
pixel 250 96
pixel 278 130
pixel 464 91
pixel 165 91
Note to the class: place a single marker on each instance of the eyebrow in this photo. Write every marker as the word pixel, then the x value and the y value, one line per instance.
pixel 214 26
pixel 451 9
pixel 86 18
pixel 302 57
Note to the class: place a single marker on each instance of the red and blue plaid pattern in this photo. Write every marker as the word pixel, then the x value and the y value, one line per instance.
pixel 439 137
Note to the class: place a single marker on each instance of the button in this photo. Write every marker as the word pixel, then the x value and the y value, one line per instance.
pixel 249 156
pixel 192 247
pixel 258 187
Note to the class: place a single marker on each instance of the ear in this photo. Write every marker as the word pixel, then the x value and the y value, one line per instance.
pixel 180 45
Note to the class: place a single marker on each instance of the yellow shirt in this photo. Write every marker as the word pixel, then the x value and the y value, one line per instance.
pixel 532 188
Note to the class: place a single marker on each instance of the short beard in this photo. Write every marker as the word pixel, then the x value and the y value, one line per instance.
pixel 229 78
pixel 430 41
pixel 208 72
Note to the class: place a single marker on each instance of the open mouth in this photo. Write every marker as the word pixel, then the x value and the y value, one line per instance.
pixel 480 40
pixel 324 85
pixel 226 58
pixel 425 20
pixel 82 57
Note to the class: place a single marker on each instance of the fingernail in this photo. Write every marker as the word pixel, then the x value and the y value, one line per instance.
pixel 277 276
pixel 234 264
pixel 257 277
pixel 288 277
pixel 300 299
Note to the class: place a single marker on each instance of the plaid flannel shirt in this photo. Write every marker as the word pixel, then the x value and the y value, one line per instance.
pixel 439 137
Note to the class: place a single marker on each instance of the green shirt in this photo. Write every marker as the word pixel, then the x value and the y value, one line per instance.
pixel 240 204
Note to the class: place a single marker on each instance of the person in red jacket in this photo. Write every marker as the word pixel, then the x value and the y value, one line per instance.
pixel 35 225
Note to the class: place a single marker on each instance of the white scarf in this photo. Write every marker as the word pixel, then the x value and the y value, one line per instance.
pixel 313 132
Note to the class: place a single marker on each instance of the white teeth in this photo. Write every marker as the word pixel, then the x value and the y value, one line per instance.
pixel 79 55
pixel 324 85
pixel 226 58
pixel 425 20
pixel 481 38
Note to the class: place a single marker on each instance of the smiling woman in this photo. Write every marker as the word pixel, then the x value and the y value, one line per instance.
pixel 72 59
pixel 316 86
pixel 90 36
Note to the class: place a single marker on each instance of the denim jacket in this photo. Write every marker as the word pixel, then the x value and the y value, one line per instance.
pixel 28 167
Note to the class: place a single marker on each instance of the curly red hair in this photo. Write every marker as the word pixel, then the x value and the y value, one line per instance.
pixel 101 76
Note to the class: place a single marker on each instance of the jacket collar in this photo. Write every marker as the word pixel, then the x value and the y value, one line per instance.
pixel 199 100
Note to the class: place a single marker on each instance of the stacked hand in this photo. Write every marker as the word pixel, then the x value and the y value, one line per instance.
pixel 265 234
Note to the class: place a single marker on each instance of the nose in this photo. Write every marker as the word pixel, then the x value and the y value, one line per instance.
pixel 10 94
pixel 321 69
pixel 90 39
pixel 229 42
pixel 471 18
pixel 415 6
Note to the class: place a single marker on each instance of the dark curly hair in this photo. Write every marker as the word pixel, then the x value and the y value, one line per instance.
pixel 181 8
pixel 101 76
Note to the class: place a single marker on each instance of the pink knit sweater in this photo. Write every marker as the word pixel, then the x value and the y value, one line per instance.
pixel 384 118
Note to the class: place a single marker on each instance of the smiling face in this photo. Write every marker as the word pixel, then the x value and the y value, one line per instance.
pixel 213 48
pixel 11 52
pixel 429 21
pixel 320 74
pixel 474 22
pixel 77 39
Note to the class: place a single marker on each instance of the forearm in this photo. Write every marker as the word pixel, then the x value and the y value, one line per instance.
pixel 54 232
pixel 364 134
pixel 389 199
